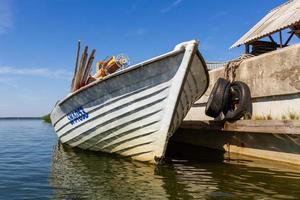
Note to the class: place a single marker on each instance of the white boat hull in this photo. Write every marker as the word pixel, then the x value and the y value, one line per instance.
pixel 135 111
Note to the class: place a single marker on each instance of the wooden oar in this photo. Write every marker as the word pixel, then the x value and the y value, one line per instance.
pixel 76 65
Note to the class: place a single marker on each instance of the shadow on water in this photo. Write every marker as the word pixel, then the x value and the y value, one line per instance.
pixel 190 173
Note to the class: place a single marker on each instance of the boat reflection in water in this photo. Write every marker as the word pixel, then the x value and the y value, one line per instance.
pixel 77 174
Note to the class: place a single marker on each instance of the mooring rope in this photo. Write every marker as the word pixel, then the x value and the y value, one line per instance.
pixel 231 66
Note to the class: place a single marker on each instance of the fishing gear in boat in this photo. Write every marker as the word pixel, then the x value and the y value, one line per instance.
pixel 83 67
pixel 111 65
pixel 123 60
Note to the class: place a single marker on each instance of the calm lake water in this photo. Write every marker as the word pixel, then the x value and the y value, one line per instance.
pixel 34 166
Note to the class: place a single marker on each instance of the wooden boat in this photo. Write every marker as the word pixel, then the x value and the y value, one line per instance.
pixel 134 111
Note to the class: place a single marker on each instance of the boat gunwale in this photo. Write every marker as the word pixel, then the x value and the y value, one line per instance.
pixel 133 67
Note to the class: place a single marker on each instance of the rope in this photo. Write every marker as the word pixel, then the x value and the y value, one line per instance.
pixel 231 66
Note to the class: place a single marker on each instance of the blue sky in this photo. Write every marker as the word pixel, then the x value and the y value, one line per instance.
pixel 38 39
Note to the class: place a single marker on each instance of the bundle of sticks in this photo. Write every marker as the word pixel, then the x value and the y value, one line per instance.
pixel 83 67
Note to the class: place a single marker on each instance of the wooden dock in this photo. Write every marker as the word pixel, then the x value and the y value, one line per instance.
pixel 270 139
pixel 254 126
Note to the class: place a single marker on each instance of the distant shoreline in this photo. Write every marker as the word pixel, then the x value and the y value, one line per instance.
pixel 45 118
pixel 7 118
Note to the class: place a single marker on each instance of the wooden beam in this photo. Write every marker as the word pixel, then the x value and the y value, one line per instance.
pixel 252 126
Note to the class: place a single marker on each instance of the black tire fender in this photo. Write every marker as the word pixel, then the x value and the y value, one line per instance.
pixel 239 102
pixel 217 98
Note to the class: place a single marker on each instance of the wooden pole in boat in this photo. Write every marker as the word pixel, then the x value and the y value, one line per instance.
pixel 83 67
pixel 88 68
pixel 80 69
pixel 76 65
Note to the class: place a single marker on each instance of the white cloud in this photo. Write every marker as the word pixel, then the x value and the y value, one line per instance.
pixel 6 16
pixel 41 72
pixel 12 83
pixel 173 5
pixel 28 96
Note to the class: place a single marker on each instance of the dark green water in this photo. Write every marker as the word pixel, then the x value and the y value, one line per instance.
pixel 34 166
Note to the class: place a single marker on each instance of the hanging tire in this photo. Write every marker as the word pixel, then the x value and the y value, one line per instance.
pixel 239 102
pixel 217 98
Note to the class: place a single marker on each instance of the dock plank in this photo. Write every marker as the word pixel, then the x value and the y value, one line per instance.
pixel 254 126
